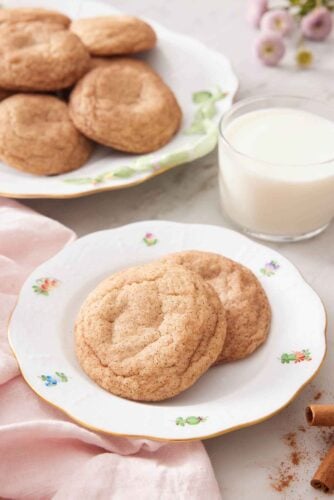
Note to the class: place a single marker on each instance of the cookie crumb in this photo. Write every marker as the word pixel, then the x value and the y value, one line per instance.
pixel 317 396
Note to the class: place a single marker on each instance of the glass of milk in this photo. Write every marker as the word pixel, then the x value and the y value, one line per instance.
pixel 276 166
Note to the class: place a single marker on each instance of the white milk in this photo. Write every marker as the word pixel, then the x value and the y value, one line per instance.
pixel 277 178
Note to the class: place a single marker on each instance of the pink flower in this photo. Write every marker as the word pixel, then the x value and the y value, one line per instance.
pixel 255 10
pixel 269 48
pixel 278 21
pixel 318 24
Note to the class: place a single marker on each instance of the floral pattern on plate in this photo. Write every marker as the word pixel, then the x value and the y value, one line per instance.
pixel 43 286
pixel 209 407
pixel 296 356
pixel 270 268
pixel 206 110
pixel 53 379
pixel 150 240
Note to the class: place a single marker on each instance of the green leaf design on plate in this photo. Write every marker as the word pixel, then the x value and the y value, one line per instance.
pixel 175 159
pixel 144 164
pixel 206 110
pixel 124 172
pixel 296 356
pixel 181 421
pixel 62 377
pixel 202 96
pixel 197 127
pixel 102 177
pixel 78 180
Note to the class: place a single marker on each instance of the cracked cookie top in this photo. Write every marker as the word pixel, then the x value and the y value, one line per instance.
pixel 40 56
pixel 246 305
pixel 149 332
pixel 38 137
pixel 115 35
pixel 25 15
pixel 124 104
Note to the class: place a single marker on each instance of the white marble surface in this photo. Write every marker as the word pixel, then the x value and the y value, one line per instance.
pixel 243 460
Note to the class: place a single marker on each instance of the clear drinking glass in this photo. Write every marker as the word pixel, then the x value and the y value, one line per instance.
pixel 276 201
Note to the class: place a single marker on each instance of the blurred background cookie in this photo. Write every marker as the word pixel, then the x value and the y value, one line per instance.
pixel 40 56
pixel 33 14
pixel 110 35
pixel 125 105
pixel 246 305
pixel 37 135
pixel 148 333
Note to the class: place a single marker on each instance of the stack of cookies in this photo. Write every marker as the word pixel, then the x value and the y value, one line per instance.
pixel 65 86
pixel 147 333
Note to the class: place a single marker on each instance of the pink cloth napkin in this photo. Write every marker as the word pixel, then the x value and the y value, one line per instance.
pixel 43 454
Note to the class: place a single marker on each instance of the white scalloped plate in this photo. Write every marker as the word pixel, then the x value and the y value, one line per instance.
pixel 227 397
pixel 189 67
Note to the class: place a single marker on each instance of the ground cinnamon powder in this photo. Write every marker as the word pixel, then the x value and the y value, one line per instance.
pixel 296 455
pixel 283 479
pixel 327 435
pixel 291 439
pixel 295 458
pixel 286 471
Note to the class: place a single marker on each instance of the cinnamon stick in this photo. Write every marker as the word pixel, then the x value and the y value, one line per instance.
pixel 323 479
pixel 320 415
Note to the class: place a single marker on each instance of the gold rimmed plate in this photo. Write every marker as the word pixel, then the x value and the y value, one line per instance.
pixel 227 397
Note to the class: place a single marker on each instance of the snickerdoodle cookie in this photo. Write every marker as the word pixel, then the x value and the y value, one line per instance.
pixel 247 308
pixel 38 137
pixel 5 93
pixel 111 35
pixel 26 15
pixel 125 105
pixel 148 333
pixel 100 62
pixel 40 56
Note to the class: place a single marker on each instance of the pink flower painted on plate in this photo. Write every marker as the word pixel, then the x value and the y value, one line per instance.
pixel 150 240
pixel 296 356
pixel 255 11
pixel 43 286
pixel 270 268
pixel 269 48
pixel 277 21
pixel 318 24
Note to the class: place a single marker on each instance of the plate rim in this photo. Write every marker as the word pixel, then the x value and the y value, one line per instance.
pixel 92 191
pixel 170 440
